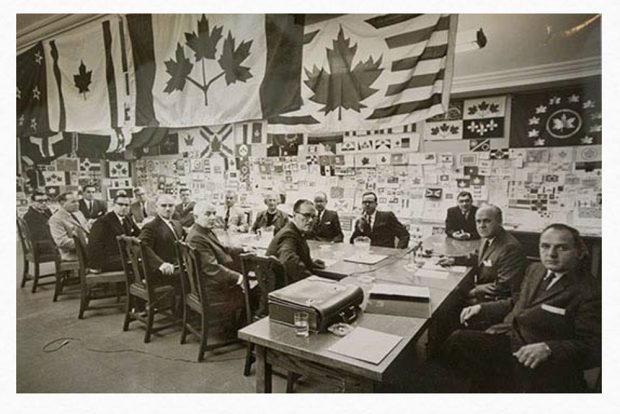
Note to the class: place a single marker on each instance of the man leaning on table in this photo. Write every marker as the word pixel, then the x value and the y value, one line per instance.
pixel 382 227
pixel 500 262
pixel 551 330
pixel 461 219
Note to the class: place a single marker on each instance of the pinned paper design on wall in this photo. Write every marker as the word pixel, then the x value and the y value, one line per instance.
pixel 484 117
pixel 478 145
pixel 118 169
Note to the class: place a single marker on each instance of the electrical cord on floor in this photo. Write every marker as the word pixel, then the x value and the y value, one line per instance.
pixel 68 339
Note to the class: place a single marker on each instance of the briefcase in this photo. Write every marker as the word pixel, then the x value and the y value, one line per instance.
pixel 325 301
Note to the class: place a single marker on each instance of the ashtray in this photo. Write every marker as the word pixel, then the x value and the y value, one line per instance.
pixel 340 329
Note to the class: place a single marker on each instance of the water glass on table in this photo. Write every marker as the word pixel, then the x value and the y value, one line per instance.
pixel 302 327
pixel 362 244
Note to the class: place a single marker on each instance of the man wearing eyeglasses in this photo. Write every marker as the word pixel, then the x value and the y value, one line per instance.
pixel 103 253
pixel 289 245
pixel 90 206
pixel 37 218
pixel 159 236
pixel 382 227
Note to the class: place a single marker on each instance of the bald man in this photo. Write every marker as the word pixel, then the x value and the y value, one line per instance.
pixel 272 217
pixel 326 226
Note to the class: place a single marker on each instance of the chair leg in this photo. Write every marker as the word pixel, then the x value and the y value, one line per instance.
pixel 203 337
pixel 37 274
pixel 291 378
pixel 150 314
pixel 58 285
pixel 249 359
pixel 184 329
pixel 25 274
pixel 83 303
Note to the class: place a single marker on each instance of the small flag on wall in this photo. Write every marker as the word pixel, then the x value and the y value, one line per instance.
pixel 484 117
pixel 446 126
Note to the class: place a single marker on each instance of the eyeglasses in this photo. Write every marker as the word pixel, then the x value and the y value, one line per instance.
pixel 309 216
pixel 166 205
pixel 123 204
pixel 368 202
pixel 45 200
pixel 209 213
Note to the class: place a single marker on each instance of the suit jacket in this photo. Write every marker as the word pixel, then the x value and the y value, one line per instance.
pixel 40 230
pixel 455 221
pixel 184 215
pixel 214 257
pixel 327 228
pixel 567 317
pixel 237 220
pixel 291 248
pixel 138 215
pixel 384 229
pixel 159 242
pixel 99 209
pixel 62 224
pixel 279 221
pixel 499 269
pixel 103 250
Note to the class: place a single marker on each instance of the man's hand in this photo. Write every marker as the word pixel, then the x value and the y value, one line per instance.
pixel 166 268
pixel 533 355
pixel 468 312
pixel 445 261
pixel 318 263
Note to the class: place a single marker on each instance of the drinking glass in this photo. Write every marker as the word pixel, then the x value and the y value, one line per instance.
pixel 362 243
pixel 302 328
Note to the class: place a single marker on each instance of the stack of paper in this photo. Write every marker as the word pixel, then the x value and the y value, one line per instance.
pixel 366 345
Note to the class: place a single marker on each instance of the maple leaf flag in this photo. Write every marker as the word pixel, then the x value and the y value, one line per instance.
pixel 197 69
pixel 88 84
pixel 373 71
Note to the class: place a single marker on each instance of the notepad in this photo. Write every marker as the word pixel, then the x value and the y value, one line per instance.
pixel 365 258
pixel 399 300
pixel 366 345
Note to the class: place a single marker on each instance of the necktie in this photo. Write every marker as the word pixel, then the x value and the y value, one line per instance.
pixel 547 281
pixel 369 219
pixel 485 246
pixel 226 218
pixel 144 210
pixel 90 207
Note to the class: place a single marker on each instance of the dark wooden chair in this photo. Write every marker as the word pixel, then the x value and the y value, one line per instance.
pixel 196 298
pixel 35 253
pixel 94 286
pixel 270 275
pixel 142 291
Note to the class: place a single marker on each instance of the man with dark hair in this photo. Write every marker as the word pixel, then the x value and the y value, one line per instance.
pixel 461 219
pixel 64 221
pixel 272 217
pixel 103 253
pixel 142 209
pixel 382 227
pixel 184 211
pixel 232 217
pixel 90 207
pixel 289 244
pixel 37 218
pixel 500 263
pixel 326 227
pixel 545 336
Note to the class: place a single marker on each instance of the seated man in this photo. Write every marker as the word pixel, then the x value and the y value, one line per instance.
pixel 272 217
pixel 461 219
pixel 221 281
pixel 183 211
pixel 500 263
pixel 233 218
pixel 326 227
pixel 550 332
pixel 382 227
pixel 64 221
pixel 159 236
pixel 142 209
pixel 37 218
pixel 90 207
pixel 103 253
pixel 289 244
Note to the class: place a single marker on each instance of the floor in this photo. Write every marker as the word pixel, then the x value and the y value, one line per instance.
pixel 58 353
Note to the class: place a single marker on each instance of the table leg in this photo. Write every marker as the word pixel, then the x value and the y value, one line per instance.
pixel 263 371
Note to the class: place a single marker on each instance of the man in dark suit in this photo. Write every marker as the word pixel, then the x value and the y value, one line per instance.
pixel 461 219
pixel 550 332
pixel 272 217
pixel 222 282
pixel 326 227
pixel 142 209
pixel 37 218
pixel 90 207
pixel 159 236
pixel 289 244
pixel 184 211
pixel 500 263
pixel 381 226
pixel 103 253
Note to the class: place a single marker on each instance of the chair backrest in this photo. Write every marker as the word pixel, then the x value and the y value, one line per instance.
pixel 79 238
pixel 24 236
pixel 270 275
pixel 132 257
pixel 189 263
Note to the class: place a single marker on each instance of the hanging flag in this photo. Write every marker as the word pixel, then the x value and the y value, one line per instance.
pixel 98 145
pixel 220 140
pixel 35 150
pixel 284 145
pixel 87 81
pixel 224 68
pixel 373 71
pixel 557 117
pixel 484 117
pixel 330 143
pixel 32 116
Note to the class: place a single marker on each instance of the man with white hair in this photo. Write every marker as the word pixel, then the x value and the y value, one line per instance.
pixel 272 217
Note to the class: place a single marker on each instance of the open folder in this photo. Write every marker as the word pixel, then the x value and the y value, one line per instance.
pixel 366 345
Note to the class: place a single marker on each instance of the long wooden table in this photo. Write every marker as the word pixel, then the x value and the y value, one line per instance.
pixel 277 344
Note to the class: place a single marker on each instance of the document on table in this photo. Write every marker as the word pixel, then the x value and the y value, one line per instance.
pixel 365 258
pixel 366 345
